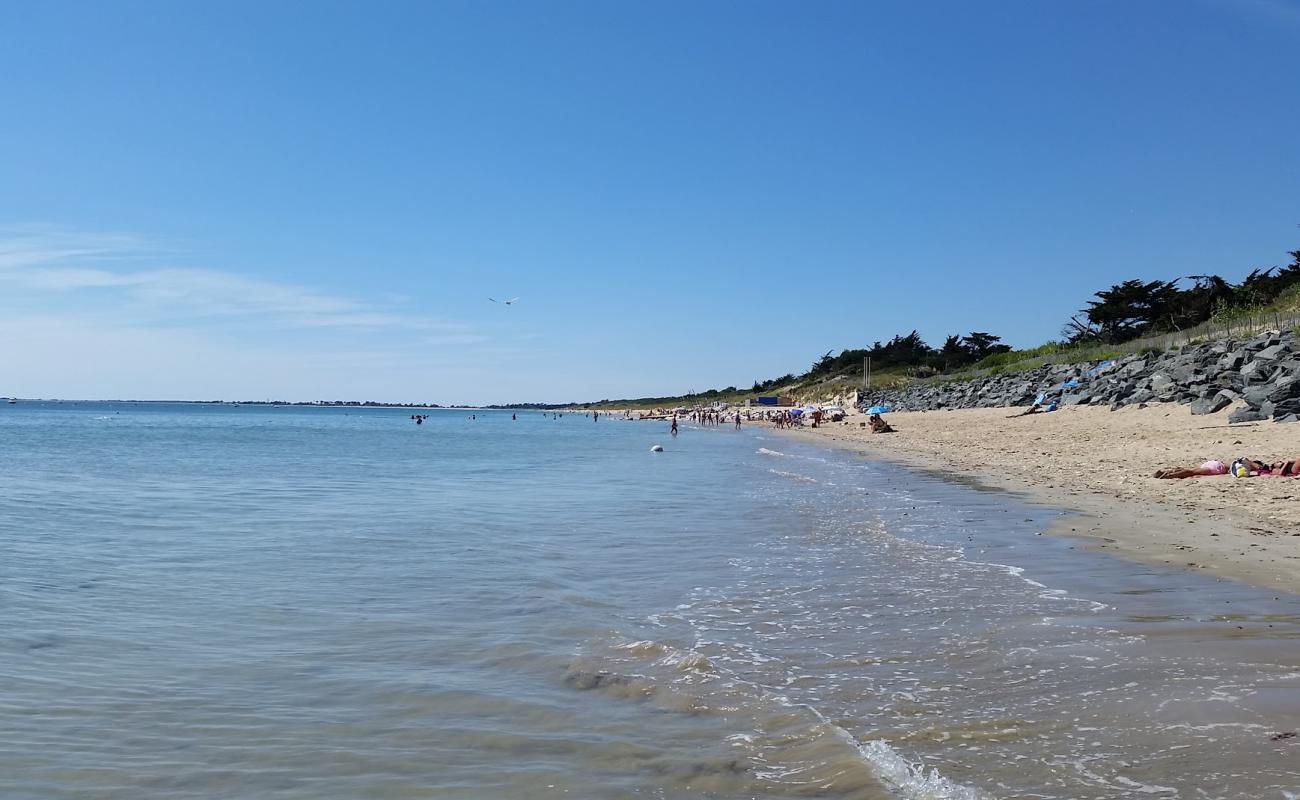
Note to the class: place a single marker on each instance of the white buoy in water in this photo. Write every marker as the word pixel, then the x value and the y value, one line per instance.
pixel 657 448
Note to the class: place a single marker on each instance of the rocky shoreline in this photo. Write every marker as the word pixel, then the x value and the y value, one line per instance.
pixel 1263 373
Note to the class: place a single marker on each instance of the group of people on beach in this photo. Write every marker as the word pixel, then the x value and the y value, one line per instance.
pixel 708 417
pixel 788 418
pixel 712 417
pixel 777 417
pixel 781 419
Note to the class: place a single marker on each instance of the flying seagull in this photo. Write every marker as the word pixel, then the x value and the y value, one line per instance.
pixel 509 302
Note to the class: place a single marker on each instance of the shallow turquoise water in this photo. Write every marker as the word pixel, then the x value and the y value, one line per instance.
pixel 208 601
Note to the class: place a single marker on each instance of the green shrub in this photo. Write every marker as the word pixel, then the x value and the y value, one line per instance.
pixel 1015 356
pixel 1288 300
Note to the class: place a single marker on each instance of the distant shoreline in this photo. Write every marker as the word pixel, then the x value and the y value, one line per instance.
pixel 274 403
pixel 564 407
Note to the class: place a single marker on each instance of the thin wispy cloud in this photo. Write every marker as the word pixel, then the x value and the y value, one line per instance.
pixel 33 246
pixel 121 270
pixel 110 315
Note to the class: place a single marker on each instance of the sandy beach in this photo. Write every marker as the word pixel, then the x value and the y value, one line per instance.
pixel 1100 464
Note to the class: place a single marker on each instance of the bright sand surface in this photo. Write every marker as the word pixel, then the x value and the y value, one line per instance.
pixel 1100 463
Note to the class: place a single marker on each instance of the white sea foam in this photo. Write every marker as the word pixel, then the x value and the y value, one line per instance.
pixel 1144 788
pixel 793 476
pixel 1046 594
pixel 912 781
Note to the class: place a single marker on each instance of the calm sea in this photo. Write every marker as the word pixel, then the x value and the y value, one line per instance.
pixel 257 602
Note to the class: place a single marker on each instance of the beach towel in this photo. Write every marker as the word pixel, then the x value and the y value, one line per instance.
pixel 1100 368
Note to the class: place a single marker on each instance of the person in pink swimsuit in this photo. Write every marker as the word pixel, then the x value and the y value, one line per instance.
pixel 1208 468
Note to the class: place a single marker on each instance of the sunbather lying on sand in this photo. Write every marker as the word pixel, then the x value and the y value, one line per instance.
pixel 1208 468
pixel 1282 469
pixel 1287 469
pixel 1036 408
pixel 878 424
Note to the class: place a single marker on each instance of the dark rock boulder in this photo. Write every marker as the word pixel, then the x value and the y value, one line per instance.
pixel 1285 407
pixel 1245 415
pixel 1284 389
pixel 1160 381
pixel 1255 395
pixel 1276 352
pixel 1133 368
pixel 1256 371
pixel 1209 405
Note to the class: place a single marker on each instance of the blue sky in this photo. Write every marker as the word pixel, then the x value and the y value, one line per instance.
pixel 314 200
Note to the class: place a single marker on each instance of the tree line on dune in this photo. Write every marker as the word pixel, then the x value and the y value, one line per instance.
pixel 904 350
pixel 1133 309
pixel 1125 311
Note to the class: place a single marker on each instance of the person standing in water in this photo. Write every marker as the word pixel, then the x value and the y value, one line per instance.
pixel 673 429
